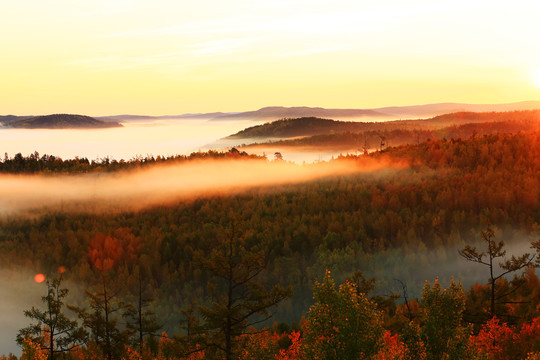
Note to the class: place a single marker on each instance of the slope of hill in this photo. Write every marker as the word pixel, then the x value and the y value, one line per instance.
pixel 62 121
pixel 288 128
pixel 430 110
pixel 352 142
pixel 479 117
pixel 7 119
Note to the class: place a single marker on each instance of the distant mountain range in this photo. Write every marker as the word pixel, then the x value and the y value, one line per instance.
pixel 272 113
pixel 430 110
pixel 280 112
pixel 61 121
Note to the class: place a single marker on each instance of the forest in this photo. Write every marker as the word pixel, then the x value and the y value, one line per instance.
pixel 381 139
pixel 354 266
pixel 310 126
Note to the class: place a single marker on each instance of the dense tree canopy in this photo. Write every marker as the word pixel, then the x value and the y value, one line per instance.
pixel 395 223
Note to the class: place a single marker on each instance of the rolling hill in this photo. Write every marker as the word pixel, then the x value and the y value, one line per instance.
pixel 7 119
pixel 62 121
pixel 310 126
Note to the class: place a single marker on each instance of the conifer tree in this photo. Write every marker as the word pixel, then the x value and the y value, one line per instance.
pixel 493 251
pixel 239 301
pixel 55 332
pixel 141 321
pixel 101 321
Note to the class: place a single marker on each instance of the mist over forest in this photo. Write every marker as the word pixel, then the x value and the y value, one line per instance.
pixel 155 225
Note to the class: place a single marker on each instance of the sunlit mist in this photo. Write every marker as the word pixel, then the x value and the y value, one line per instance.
pixel 161 184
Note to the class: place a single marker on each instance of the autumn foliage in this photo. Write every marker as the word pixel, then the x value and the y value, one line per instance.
pixel 418 214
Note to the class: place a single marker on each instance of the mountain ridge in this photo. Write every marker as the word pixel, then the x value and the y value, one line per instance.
pixel 278 112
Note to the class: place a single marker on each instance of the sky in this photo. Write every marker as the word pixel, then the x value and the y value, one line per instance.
pixel 105 57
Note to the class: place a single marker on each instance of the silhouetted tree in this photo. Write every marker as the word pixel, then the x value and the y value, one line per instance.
pixel 141 320
pixel 53 329
pixel 487 257
pixel 239 298
pixel 102 322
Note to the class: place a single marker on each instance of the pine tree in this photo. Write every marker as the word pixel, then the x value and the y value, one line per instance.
pixel 102 322
pixel 239 298
pixel 141 321
pixel 53 329
pixel 488 257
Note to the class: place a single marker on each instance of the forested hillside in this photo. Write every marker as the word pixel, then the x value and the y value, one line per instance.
pixel 364 141
pixel 511 121
pixel 62 121
pixel 402 225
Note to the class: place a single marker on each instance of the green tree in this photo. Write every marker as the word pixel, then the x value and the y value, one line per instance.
pixel 53 329
pixel 342 324
pixel 442 331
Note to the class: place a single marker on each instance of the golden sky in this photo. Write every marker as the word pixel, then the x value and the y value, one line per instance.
pixel 105 57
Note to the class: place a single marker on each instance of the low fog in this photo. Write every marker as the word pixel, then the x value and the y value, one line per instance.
pixel 19 292
pixel 152 137
pixel 157 185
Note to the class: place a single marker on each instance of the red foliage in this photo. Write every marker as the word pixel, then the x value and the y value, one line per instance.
pixel 293 352
pixel 104 252
pixel 501 342
pixel 495 340
pixel 393 348
pixel 529 336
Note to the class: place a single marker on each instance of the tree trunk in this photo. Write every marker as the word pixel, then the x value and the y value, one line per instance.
pixel 108 351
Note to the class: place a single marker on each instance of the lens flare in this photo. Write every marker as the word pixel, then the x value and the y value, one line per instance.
pixel 39 278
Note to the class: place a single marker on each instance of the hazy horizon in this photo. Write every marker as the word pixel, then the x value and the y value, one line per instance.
pixel 407 108
pixel 155 58
pixel 151 138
